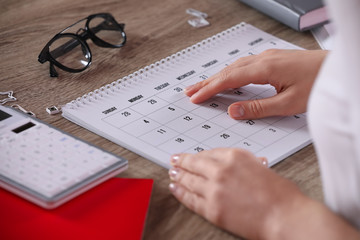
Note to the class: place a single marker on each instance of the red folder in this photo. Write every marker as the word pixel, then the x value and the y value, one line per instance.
pixel 116 209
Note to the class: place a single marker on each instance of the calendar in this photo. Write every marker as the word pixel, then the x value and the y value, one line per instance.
pixel 148 113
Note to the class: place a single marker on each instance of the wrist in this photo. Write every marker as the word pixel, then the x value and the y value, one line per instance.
pixel 304 218
pixel 283 217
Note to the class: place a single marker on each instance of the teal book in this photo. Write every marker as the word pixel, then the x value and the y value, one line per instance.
pixel 300 15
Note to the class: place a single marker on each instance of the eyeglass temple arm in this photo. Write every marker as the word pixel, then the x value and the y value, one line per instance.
pixel 106 26
pixel 65 48
pixel 53 72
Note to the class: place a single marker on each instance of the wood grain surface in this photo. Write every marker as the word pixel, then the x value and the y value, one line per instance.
pixel 155 29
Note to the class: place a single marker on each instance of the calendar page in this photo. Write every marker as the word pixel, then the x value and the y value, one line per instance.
pixel 148 112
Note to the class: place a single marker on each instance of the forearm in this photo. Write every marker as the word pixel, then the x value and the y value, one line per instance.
pixel 308 219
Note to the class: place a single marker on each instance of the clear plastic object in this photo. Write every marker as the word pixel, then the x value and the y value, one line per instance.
pixel 199 20
pixel 53 110
pixel 196 13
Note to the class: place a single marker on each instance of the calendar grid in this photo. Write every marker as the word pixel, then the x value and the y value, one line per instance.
pixel 187 116
pixel 154 118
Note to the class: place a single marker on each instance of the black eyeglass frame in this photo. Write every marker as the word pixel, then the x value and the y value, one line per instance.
pixel 87 33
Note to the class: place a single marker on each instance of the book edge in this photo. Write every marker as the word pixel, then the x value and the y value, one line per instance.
pixel 288 15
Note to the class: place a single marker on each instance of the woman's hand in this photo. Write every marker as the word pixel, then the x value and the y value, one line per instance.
pixel 234 190
pixel 291 72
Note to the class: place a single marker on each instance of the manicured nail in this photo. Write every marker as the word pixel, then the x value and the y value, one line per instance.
pixel 172 187
pixel 237 111
pixel 173 173
pixel 176 190
pixel 188 88
pixel 264 161
pixel 194 96
pixel 174 159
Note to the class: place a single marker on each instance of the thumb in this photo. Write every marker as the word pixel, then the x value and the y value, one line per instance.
pixel 258 108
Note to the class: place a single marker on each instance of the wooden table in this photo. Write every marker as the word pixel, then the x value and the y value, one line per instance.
pixel 155 29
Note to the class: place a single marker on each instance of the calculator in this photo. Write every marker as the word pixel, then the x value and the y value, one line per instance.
pixel 46 165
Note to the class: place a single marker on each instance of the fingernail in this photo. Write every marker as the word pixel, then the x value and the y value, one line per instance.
pixel 173 173
pixel 174 159
pixel 265 162
pixel 172 187
pixel 237 111
pixel 194 96
pixel 176 190
pixel 188 88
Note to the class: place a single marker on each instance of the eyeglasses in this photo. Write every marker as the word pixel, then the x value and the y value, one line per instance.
pixel 70 52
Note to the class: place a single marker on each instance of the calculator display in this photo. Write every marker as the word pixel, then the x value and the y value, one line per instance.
pixel 4 115
pixel 23 127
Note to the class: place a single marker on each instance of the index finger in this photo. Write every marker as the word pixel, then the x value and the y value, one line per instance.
pixel 229 77
pixel 190 90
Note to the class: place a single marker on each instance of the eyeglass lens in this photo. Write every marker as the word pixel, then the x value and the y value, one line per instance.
pixel 106 30
pixel 70 52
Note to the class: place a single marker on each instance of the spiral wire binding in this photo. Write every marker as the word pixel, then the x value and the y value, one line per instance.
pixel 147 71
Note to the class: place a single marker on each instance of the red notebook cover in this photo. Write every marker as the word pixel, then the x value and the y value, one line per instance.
pixel 116 209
